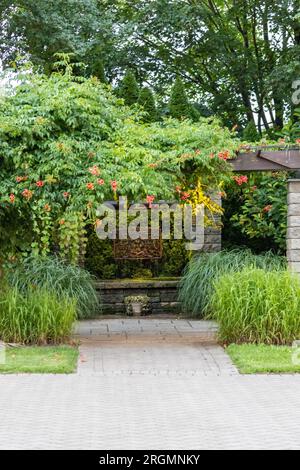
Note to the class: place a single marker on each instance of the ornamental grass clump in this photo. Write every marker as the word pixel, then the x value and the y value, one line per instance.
pixel 197 284
pixel 36 317
pixel 257 306
pixel 54 275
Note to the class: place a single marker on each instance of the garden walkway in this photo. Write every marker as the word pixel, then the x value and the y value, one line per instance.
pixel 151 346
pixel 149 391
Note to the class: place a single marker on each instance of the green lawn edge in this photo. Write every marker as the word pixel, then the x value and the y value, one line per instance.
pixel 60 359
pixel 264 359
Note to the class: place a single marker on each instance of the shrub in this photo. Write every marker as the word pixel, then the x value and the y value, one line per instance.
pixel 261 212
pixel 257 306
pixel 100 260
pixel 250 133
pixel 54 275
pixel 37 316
pixel 197 284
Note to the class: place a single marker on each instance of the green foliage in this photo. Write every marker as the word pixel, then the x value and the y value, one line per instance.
pixel 262 208
pixel 142 273
pixel 97 70
pixel 250 133
pixel 179 106
pixel 37 316
pixel 175 257
pixel 51 130
pixel 291 131
pixel 202 273
pixel 222 49
pixel 101 263
pixel 146 100
pixel 257 306
pixel 45 27
pixel 129 89
pixel 99 257
pixel 64 139
pixel 53 275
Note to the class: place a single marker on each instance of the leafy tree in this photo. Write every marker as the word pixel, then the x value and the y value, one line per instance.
pixel 228 52
pixel 179 106
pixel 129 89
pixel 97 70
pixel 146 100
pixel 250 133
pixel 41 28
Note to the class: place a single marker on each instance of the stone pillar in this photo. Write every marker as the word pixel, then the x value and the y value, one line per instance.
pixel 213 235
pixel 293 225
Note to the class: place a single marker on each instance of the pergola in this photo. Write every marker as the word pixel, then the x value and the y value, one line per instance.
pixel 276 158
pixel 267 158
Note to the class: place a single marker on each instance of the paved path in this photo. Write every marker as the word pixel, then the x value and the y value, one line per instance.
pixel 148 412
pixel 151 346
pixel 163 394
pixel 141 329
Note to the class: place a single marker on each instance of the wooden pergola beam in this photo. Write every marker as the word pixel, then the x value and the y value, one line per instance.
pixel 267 159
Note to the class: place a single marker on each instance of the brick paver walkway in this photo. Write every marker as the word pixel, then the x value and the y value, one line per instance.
pixel 150 396
pixel 139 329
pixel 151 346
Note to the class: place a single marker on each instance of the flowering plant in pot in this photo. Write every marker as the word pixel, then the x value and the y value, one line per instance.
pixel 137 305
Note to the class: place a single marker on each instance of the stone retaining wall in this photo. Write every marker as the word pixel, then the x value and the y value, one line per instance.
pixel 163 295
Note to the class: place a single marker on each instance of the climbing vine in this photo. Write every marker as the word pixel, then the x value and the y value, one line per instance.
pixel 68 144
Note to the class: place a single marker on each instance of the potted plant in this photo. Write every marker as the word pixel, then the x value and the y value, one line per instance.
pixel 137 305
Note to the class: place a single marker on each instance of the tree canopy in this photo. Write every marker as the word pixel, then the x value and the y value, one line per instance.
pixel 237 57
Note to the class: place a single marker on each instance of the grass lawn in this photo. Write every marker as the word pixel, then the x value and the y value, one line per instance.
pixel 40 359
pixel 255 359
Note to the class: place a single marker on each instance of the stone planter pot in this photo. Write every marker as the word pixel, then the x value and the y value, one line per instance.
pixel 137 305
pixel 137 308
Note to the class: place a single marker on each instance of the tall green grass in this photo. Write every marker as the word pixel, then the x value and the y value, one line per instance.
pixel 37 316
pixel 56 276
pixel 257 306
pixel 196 285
